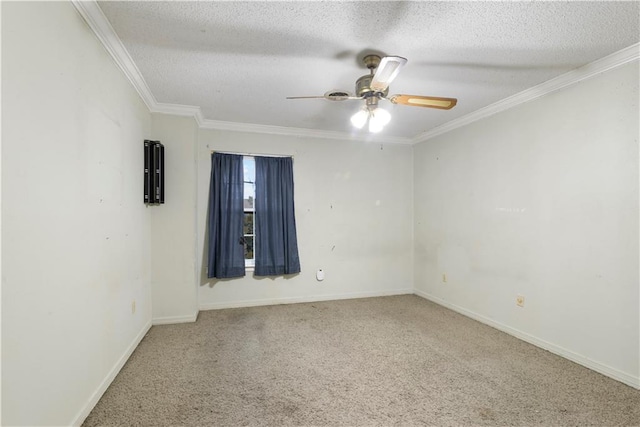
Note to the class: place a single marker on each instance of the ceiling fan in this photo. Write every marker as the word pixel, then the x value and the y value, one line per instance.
pixel 374 86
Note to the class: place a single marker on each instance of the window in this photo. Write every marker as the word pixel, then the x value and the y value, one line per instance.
pixel 249 196
pixel 251 217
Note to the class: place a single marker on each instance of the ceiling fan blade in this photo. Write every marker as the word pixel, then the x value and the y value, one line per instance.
pixel 387 70
pixel 331 96
pixel 305 97
pixel 424 101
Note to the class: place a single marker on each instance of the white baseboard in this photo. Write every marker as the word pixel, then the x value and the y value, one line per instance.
pixel 95 397
pixel 608 371
pixel 306 298
pixel 170 320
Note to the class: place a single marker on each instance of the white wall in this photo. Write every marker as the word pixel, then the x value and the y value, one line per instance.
pixel 541 201
pixel 0 222
pixel 353 217
pixel 173 224
pixel 75 231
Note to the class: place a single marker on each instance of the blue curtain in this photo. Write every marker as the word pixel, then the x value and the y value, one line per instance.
pixel 276 245
pixel 226 215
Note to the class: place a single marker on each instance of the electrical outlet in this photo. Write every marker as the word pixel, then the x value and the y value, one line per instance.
pixel 444 278
pixel 520 301
pixel 133 307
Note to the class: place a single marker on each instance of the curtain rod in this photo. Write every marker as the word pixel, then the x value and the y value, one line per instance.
pixel 253 154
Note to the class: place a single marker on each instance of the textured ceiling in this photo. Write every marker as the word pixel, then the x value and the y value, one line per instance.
pixel 238 61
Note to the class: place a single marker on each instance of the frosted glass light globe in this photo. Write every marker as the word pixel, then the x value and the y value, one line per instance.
pixel 382 116
pixel 359 119
pixel 375 126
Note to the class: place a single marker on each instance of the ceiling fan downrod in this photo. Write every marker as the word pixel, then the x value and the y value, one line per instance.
pixel 371 62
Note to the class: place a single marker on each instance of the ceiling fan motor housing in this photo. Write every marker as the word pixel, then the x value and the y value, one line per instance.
pixel 363 87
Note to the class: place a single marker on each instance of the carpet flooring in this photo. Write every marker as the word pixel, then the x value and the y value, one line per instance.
pixel 389 361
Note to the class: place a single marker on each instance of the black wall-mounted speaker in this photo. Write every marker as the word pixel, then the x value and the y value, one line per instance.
pixel 153 172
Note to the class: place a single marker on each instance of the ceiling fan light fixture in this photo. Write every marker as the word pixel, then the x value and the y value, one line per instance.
pixel 381 116
pixel 375 126
pixel 377 117
pixel 359 119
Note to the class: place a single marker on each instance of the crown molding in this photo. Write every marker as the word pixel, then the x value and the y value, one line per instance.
pixel 301 132
pixel 196 113
pixel 96 20
pixel 609 62
pixel 179 110
pixel 93 16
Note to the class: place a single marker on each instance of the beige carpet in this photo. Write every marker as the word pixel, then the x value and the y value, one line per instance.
pixel 368 362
